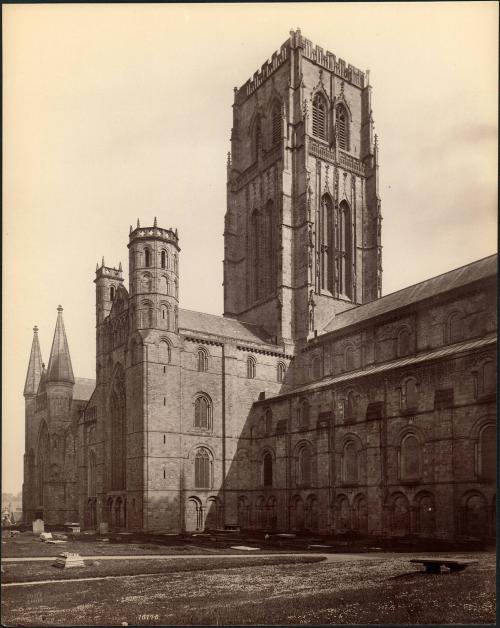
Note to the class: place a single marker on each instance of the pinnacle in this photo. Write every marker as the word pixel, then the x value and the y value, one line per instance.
pixel 35 366
pixel 60 369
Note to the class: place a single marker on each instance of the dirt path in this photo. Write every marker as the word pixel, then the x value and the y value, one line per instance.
pixel 328 557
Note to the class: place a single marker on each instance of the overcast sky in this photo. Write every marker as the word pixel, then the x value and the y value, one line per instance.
pixel 114 112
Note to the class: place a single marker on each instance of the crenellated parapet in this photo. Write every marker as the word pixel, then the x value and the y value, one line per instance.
pixel 314 53
pixel 328 60
pixel 169 236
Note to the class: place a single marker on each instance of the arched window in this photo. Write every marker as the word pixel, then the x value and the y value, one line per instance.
pixel 117 407
pixel 146 282
pixel 350 463
pixel 410 458
pixel 487 451
pixel 281 370
pixel 92 491
pixel 176 263
pixel 267 469
pixel 147 258
pixel 202 360
pixel 147 314
pixel 165 316
pixel 256 137
pixel 403 342
pixel 112 293
pixel 269 421
pixel 350 406
pixel 342 122
pixel 304 466
pixel 455 328
pixel 319 117
pixel 163 259
pixel 303 413
pixel 409 394
pixel 256 255
pixel 164 352
pixel 327 252
pixel 349 358
pixel 251 367
pixel 203 469
pixel 203 413
pixel 269 258
pixel 487 378
pixel 276 123
pixel 316 367
pixel 345 250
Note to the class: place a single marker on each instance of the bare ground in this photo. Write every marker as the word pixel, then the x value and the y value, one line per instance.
pixel 365 591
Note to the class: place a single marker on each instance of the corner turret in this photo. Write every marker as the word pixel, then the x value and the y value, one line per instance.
pixel 154 278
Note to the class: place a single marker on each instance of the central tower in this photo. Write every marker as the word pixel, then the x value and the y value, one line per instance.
pixel 303 222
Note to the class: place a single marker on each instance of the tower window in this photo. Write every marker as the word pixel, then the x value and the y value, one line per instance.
pixel 276 123
pixel 112 293
pixel 203 413
pixel 251 367
pixel 256 137
pixel 163 259
pixel 147 258
pixel 164 474
pixel 342 128
pixel 281 372
pixel 319 117
pixel 202 469
pixel 202 360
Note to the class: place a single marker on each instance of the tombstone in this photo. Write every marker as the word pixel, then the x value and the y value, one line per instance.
pixel 103 527
pixel 38 526
pixel 74 528
pixel 46 536
pixel 65 560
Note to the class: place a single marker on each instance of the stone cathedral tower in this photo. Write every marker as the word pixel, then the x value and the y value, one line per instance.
pixel 302 227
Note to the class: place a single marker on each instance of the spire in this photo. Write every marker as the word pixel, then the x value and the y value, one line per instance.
pixel 34 367
pixel 155 224
pixel 120 267
pixel 60 369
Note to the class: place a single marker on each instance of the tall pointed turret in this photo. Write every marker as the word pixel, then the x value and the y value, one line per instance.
pixel 34 367
pixel 60 369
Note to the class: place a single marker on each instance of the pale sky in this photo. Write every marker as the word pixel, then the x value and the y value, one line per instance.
pixel 114 112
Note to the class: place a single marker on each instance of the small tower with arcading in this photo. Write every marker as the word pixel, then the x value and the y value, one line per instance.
pixel 154 278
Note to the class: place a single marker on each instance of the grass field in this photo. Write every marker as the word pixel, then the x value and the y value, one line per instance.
pixel 375 591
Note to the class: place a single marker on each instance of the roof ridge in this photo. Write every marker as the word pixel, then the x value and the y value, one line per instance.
pixel 412 285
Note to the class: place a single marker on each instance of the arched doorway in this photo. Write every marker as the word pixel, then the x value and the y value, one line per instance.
pixel 475 516
pixel 297 515
pixel 425 514
pixel 360 515
pixel 400 515
pixel 193 520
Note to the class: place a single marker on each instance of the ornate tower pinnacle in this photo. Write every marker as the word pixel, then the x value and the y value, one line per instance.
pixel 35 367
pixel 60 369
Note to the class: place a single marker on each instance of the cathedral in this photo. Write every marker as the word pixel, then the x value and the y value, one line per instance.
pixel 314 403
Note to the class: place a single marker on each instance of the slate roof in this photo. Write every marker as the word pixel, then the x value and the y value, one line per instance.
pixel 210 324
pixel 451 280
pixel 374 369
pixel 83 388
